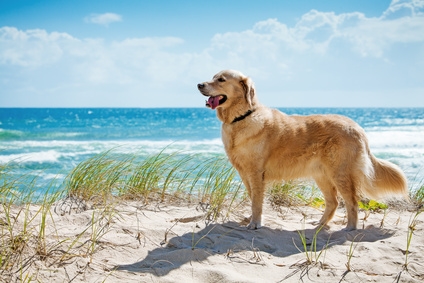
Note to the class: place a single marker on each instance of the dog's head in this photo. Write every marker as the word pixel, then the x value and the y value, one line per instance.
pixel 229 89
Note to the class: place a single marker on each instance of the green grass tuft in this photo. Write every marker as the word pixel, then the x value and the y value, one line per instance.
pixel 296 193
pixel 372 205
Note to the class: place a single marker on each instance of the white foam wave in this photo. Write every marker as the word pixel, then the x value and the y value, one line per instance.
pixel 53 151
pixel 163 143
pixel 396 139
pixel 49 156
pixel 51 176
pixel 404 148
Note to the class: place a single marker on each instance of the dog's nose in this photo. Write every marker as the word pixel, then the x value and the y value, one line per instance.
pixel 200 86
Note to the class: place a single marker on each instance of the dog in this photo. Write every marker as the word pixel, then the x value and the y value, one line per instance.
pixel 266 146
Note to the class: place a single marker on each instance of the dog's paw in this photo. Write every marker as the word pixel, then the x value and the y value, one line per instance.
pixel 254 225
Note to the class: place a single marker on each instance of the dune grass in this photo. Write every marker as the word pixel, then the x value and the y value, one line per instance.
pixel 102 182
pixel 418 196
pixel 159 177
pixel 108 178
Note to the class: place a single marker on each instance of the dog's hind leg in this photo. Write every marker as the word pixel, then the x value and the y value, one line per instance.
pixel 347 189
pixel 330 197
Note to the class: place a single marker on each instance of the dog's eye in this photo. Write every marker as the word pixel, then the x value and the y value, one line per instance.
pixel 221 80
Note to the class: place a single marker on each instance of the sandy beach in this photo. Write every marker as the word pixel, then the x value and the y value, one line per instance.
pixel 129 242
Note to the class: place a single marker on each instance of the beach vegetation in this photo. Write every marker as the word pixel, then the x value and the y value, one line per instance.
pixel 418 196
pixel 412 227
pixel 312 253
pixel 296 193
pixel 109 178
pixel 372 205
pixel 353 245
pixel 97 178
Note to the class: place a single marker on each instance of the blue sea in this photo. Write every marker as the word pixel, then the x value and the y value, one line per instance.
pixel 50 142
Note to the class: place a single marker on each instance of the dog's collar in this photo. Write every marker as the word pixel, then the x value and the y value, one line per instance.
pixel 239 118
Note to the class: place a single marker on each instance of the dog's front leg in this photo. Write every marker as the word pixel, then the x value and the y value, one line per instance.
pixel 257 192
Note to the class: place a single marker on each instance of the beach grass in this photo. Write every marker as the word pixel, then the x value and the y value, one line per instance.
pixel 102 181
pixel 418 196
pixel 108 178
pixel 312 254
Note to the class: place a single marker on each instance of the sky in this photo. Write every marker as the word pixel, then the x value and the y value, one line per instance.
pixel 129 53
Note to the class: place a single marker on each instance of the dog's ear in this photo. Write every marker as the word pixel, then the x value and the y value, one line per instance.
pixel 249 90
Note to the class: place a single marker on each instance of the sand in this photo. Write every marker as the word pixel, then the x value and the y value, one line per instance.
pixel 175 243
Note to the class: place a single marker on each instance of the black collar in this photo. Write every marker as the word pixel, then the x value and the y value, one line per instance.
pixel 239 118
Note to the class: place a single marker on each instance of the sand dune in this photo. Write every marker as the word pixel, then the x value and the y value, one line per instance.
pixel 175 243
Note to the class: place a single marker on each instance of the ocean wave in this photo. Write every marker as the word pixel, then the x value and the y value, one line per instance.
pixel 112 143
pixel 396 139
pixel 402 121
pixel 55 151
pixel 49 156
pixel 389 123
pixel 13 135
pixel 10 134
pixel 51 176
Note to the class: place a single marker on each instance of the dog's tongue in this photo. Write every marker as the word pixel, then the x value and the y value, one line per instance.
pixel 213 101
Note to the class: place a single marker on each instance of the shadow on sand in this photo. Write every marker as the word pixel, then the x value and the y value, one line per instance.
pixel 230 238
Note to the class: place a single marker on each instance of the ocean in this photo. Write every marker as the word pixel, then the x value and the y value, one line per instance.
pixel 50 142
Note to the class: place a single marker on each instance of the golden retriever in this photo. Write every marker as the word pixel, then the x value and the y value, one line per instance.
pixel 266 145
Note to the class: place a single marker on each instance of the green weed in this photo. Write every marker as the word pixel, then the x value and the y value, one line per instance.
pixel 312 254
pixel 372 205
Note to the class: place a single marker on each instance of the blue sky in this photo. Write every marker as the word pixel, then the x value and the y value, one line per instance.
pixel 334 53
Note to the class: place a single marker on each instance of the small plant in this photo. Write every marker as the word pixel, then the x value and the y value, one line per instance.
pixel 294 193
pixel 418 197
pixel 349 256
pixel 372 205
pixel 351 251
pixel 312 255
pixel 411 228
pixel 284 194
pixel 413 221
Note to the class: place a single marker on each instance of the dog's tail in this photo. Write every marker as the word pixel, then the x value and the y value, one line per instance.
pixel 387 180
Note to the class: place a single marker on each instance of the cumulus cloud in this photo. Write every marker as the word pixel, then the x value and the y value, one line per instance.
pixel 402 8
pixel 103 19
pixel 32 48
pixel 270 51
pixel 317 31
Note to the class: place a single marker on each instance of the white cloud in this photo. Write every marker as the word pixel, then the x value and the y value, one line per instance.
pixel 323 50
pixel 404 8
pixel 316 31
pixel 103 19
pixel 32 48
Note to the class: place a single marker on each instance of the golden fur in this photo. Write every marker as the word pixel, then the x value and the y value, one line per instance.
pixel 267 145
